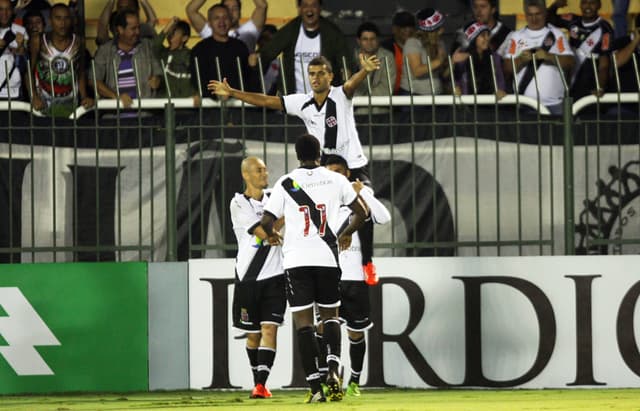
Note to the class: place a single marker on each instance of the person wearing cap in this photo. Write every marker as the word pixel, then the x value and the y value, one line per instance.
pixel 486 12
pixel 476 55
pixel 539 78
pixel 426 56
pixel 403 25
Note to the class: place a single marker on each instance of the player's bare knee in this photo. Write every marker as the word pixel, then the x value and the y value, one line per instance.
pixel 269 333
pixel 253 340
pixel 355 335
pixel 327 313
pixel 303 318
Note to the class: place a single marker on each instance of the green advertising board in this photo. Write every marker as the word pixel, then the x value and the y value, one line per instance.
pixel 73 327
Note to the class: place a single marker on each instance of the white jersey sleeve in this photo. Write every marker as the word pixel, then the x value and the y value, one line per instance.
pixel 247 33
pixel 243 218
pixel 254 260
pixel 206 31
pixel 347 194
pixel 379 213
pixel 561 46
pixel 275 204
pixel 293 103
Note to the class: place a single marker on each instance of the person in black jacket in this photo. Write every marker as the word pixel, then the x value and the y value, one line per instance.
pixel 221 51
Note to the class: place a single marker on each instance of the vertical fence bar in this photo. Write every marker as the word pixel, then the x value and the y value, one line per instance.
pixel 497 132
pixel 170 176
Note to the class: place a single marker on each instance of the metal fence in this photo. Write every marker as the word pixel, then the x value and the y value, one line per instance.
pixel 463 175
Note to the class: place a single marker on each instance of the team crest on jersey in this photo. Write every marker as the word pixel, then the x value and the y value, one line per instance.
pixel 574 32
pixel 331 121
pixel 244 315
pixel 60 65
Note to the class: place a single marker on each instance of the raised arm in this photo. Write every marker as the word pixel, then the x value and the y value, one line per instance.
pixel 197 19
pixel 623 56
pixel 377 210
pixel 102 35
pixel 152 19
pixel 420 69
pixel 552 13
pixel 368 65
pixel 259 15
pixel 223 89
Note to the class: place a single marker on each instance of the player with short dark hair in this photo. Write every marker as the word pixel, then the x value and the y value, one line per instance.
pixel 309 198
pixel 259 299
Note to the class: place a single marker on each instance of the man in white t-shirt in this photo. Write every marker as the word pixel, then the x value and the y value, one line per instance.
pixel 13 38
pixel 259 299
pixel 545 42
pixel 248 32
pixel 309 198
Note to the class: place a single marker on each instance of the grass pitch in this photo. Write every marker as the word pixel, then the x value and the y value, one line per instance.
pixel 374 399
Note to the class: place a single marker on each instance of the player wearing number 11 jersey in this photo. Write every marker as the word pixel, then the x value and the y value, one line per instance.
pixel 310 198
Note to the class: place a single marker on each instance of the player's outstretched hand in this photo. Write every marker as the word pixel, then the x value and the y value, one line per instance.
pixel 344 241
pixel 219 88
pixel 371 63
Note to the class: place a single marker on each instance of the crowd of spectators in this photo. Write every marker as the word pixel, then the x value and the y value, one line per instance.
pixel 43 58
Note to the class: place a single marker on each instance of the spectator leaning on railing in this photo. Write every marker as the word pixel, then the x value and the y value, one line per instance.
pixel 545 42
pixel 57 72
pixel 426 56
pixel 589 36
pixel 477 50
pixel 13 41
pixel 126 63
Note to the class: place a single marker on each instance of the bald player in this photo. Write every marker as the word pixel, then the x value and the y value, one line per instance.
pixel 259 298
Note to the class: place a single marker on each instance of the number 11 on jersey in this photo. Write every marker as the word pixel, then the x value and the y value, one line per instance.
pixel 322 210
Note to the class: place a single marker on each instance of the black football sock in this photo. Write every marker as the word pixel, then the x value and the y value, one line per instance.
pixel 252 353
pixel 331 341
pixel 266 356
pixel 357 349
pixel 322 357
pixel 307 347
pixel 365 233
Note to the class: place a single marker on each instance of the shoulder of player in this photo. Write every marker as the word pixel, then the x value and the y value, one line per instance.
pixel 238 200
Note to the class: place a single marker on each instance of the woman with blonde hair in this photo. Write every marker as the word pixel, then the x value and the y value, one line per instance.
pixel 425 52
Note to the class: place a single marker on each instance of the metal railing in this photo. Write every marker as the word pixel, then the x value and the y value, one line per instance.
pixel 463 175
